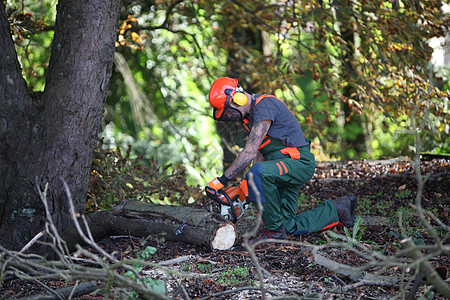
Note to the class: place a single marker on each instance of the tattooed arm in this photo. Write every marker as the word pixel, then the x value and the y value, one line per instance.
pixel 250 152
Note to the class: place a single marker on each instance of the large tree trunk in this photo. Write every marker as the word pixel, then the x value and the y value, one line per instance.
pixel 52 137
pixel 176 223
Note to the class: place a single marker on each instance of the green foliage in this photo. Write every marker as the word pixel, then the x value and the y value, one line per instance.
pixel 31 23
pixel 233 276
pixel 199 267
pixel 155 285
pixel 413 227
pixel 426 294
pixel 364 67
pixel 371 205
pixel 403 194
pixel 305 202
pixel 205 268
pixel 336 89
pixel 169 118
pixel 148 251
pixel 115 177
pixel 351 73
pixel 382 206
pixel 196 149
pixel 358 230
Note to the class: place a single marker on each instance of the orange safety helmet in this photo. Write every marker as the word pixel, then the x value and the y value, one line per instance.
pixel 220 96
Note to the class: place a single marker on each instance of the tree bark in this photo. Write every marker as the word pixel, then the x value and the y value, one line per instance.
pixel 176 223
pixel 52 137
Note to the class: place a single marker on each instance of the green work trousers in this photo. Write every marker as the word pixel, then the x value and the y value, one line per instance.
pixel 278 182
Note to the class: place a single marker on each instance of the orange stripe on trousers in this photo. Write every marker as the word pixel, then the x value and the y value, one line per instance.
pixel 331 225
pixel 279 168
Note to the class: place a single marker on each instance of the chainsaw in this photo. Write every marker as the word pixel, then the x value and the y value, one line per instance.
pixel 231 200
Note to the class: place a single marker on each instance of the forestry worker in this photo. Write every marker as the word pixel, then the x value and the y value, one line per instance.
pixel 282 162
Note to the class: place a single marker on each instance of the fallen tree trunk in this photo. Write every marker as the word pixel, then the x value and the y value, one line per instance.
pixel 176 223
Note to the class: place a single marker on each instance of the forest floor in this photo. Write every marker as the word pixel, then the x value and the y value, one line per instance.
pixel 383 189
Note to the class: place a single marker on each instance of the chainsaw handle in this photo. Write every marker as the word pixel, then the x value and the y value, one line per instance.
pixel 213 194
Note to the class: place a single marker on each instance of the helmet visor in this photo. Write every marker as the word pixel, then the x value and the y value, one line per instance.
pixel 228 114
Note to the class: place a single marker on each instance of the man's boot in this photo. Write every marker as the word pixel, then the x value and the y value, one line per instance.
pixel 346 206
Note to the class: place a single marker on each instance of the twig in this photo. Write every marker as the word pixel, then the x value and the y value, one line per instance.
pixel 355 273
pixel 33 240
pixel 58 245
pixel 338 279
pixel 431 275
pixel 124 236
pixel 68 292
pixel 87 239
pixel 417 283
pixel 369 283
pixel 50 291
pixel 186 296
pixel 175 260
pixel 85 261
pixel 437 220
pixel 247 236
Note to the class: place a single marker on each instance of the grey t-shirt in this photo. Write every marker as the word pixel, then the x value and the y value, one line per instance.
pixel 285 127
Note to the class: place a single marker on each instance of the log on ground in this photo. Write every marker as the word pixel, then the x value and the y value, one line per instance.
pixel 176 223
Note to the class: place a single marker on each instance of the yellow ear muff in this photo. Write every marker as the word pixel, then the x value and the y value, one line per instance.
pixel 240 99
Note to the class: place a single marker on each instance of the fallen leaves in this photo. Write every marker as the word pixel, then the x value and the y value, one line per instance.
pixel 402 187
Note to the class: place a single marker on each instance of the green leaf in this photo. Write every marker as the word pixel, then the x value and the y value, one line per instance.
pixel 148 251
pixel 130 275
pixel 356 227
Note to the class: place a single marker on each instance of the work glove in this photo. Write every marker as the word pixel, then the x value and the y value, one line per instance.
pixel 215 185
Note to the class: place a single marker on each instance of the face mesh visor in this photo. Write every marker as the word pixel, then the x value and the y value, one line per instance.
pixel 229 114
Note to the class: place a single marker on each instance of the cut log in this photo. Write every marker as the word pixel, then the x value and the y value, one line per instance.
pixel 175 223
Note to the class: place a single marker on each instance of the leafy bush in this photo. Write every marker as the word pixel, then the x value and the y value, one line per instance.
pixel 115 178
